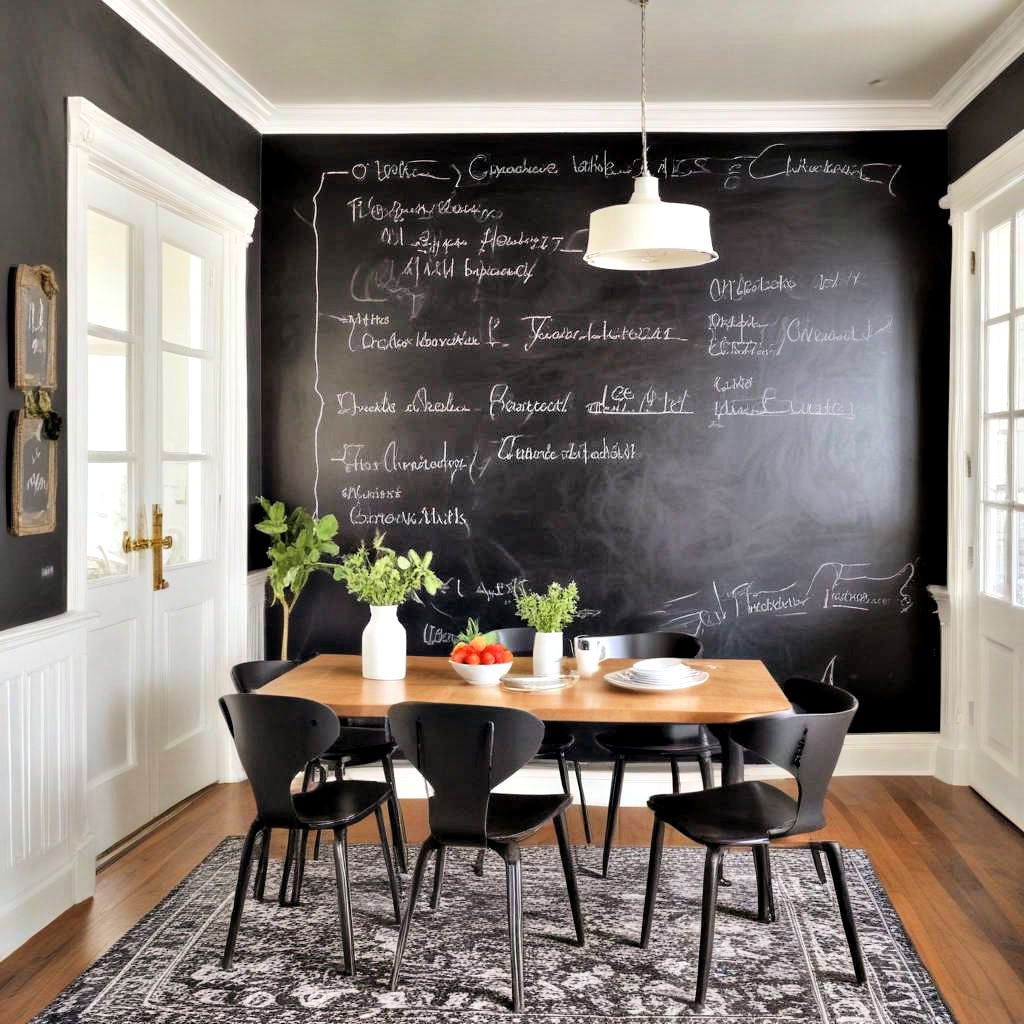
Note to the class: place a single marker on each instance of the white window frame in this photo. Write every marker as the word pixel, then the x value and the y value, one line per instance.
pixel 966 197
pixel 98 142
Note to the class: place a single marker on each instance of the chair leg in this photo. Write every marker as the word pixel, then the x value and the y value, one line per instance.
pixel 344 900
pixel 260 883
pixel 395 816
pixel 834 854
pixel 385 850
pixel 300 867
pixel 709 905
pixel 321 772
pixel 478 867
pixel 339 771
pixel 244 867
pixel 613 810
pixel 286 868
pixel 569 868
pixel 675 776
pixel 442 863
pixel 707 771
pixel 819 865
pixel 583 802
pixel 514 885
pixel 426 850
pixel 765 895
pixel 307 775
pixel 563 773
pixel 653 875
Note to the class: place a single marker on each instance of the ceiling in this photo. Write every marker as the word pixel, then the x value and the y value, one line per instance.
pixel 521 51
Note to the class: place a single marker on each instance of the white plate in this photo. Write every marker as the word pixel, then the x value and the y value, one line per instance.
pixel 522 682
pixel 626 682
pixel 656 666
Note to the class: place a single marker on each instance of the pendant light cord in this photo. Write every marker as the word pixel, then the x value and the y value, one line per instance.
pixel 643 86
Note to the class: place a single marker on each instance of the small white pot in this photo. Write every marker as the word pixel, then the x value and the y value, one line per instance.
pixel 547 654
pixel 384 644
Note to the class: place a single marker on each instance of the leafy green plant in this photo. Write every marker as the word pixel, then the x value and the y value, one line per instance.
pixel 472 630
pixel 550 612
pixel 299 542
pixel 377 575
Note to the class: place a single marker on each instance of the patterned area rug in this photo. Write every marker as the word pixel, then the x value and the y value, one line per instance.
pixel 797 970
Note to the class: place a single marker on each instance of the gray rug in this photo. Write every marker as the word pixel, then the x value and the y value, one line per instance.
pixel 167 969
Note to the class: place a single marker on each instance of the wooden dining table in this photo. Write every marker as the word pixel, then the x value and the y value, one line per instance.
pixel 734 690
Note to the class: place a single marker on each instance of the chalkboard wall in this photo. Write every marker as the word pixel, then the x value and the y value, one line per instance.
pixel 753 451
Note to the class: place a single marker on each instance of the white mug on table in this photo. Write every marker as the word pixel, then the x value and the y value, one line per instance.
pixel 590 652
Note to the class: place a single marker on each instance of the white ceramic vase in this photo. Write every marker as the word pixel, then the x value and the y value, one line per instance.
pixel 547 654
pixel 384 644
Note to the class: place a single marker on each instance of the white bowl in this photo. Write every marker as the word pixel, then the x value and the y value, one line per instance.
pixel 481 675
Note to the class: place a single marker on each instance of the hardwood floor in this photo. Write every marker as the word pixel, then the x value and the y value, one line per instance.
pixel 953 867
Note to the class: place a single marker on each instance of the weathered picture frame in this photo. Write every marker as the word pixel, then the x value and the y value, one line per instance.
pixel 35 327
pixel 33 491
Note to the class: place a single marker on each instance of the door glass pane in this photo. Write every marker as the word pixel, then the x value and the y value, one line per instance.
pixel 997 367
pixel 107 519
pixel 108 252
pixel 181 297
pixel 996 542
pixel 183 511
pixel 997 453
pixel 108 395
pixel 1018 460
pixel 1018 348
pixel 183 403
pixel 1019 593
pixel 998 270
pixel 1019 252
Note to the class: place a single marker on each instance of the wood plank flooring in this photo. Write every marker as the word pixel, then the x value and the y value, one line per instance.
pixel 953 867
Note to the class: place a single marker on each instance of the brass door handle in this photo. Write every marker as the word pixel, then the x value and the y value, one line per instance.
pixel 157 543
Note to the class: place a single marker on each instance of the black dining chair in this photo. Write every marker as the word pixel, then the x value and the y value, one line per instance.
pixel 355 745
pixel 629 744
pixel 275 737
pixel 464 751
pixel 558 739
pixel 805 744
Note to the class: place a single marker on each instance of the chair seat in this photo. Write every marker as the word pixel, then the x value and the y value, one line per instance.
pixel 744 813
pixel 514 815
pixel 339 804
pixel 357 745
pixel 658 741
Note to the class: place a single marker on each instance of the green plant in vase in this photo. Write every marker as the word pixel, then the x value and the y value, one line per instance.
pixel 548 613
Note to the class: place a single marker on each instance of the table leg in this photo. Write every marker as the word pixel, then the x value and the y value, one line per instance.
pixel 732 755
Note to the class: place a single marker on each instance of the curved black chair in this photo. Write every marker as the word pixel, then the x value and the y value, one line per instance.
pixel 558 738
pixel 464 751
pixel 275 737
pixel 806 744
pixel 355 745
pixel 644 743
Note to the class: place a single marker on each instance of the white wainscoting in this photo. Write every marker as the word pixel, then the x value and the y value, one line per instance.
pixel 47 862
pixel 256 610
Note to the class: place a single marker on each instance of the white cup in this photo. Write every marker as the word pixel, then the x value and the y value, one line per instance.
pixel 590 652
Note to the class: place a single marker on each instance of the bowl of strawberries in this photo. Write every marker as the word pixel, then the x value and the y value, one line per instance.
pixel 478 657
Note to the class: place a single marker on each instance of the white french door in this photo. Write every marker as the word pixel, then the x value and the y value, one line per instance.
pixel 154 293
pixel 997 755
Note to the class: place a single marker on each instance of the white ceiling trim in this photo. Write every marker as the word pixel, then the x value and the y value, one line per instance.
pixel 171 35
pixel 990 59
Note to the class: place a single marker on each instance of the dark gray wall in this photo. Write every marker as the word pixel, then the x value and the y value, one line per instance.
pixel 993 116
pixel 49 50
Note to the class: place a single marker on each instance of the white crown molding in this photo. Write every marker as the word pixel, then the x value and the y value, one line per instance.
pixel 993 57
pixel 1000 170
pixel 440 118
pixel 170 34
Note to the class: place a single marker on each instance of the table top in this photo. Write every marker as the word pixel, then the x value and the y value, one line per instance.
pixel 734 690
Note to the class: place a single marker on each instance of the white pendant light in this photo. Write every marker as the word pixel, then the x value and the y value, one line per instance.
pixel 645 233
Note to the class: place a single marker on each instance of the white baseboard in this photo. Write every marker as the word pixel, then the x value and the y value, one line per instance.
pixel 863 754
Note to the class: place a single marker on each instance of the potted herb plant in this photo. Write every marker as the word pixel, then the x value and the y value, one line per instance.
pixel 548 613
pixel 383 579
pixel 299 542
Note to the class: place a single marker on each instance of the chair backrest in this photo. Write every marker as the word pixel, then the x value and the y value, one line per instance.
pixel 254 675
pixel 275 737
pixel 806 744
pixel 464 751
pixel 518 639
pixel 651 645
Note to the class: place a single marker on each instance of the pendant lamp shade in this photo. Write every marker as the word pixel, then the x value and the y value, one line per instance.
pixel 647 234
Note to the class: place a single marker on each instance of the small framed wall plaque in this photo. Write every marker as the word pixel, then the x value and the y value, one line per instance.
pixel 35 327
pixel 33 478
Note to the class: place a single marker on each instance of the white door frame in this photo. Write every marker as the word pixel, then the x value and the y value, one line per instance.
pixel 998 172
pixel 99 143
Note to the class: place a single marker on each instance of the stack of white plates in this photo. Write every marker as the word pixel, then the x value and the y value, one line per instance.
pixel 657 675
